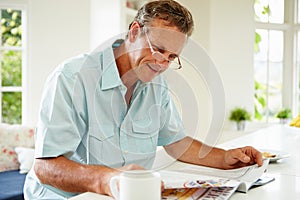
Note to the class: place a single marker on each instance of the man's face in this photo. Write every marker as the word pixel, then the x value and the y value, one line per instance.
pixel 155 49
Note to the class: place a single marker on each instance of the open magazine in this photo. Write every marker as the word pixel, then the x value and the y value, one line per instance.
pixel 198 182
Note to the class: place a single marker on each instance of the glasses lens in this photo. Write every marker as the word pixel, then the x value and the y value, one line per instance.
pixel 159 56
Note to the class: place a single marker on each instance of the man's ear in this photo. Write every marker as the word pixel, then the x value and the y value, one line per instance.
pixel 134 31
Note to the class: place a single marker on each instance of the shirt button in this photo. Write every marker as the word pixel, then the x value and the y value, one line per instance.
pixel 126 151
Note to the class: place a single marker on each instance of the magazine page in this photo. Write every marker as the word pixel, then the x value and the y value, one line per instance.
pixel 187 186
pixel 179 179
pixel 247 175
pixel 216 193
pixel 194 176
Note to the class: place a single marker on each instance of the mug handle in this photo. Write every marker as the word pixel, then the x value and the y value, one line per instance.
pixel 114 187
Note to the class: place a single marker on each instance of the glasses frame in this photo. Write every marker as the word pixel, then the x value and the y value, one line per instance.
pixel 160 56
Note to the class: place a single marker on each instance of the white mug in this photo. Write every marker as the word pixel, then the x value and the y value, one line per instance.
pixel 136 185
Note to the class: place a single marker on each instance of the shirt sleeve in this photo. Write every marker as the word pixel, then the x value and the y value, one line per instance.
pixel 60 121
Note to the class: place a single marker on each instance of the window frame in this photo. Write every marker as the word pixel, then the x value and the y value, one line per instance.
pixel 17 5
pixel 290 76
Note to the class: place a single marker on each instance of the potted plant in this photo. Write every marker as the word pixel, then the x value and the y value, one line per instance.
pixel 240 116
pixel 283 115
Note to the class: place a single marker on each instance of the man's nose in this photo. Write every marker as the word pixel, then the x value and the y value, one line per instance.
pixel 163 64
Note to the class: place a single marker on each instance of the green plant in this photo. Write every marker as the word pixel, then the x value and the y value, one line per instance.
pixel 239 114
pixel 260 100
pixel 285 113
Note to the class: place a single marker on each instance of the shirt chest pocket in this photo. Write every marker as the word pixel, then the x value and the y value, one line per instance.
pixel 102 132
pixel 146 128
pixel 143 136
pixel 102 145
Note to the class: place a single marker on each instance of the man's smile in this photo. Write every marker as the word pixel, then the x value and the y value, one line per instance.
pixel 155 68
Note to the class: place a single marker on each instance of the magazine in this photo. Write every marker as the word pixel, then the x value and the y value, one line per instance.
pixel 198 182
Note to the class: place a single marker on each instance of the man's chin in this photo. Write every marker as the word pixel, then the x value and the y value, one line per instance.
pixel 146 80
pixel 146 74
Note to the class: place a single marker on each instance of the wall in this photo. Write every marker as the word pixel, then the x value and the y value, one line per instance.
pixel 200 10
pixel 57 29
pixel 231 47
pixel 106 20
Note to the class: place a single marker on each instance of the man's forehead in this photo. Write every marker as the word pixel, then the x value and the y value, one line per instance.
pixel 167 37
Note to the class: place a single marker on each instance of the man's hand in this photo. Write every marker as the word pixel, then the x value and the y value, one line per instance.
pixel 125 168
pixel 116 172
pixel 240 157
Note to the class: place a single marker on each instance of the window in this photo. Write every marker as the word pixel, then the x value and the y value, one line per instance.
pixel 11 64
pixel 298 71
pixel 274 66
pixel 297 28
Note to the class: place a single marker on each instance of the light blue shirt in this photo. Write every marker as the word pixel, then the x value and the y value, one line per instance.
pixel 84 117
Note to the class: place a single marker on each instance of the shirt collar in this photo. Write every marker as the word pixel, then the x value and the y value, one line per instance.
pixel 110 76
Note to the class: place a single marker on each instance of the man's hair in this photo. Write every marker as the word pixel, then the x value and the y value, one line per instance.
pixel 170 11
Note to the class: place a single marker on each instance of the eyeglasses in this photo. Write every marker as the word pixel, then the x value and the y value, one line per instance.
pixel 173 64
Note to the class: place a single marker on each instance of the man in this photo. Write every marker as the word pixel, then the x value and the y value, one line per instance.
pixel 108 111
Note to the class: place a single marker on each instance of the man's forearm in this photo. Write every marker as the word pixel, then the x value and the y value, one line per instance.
pixel 70 176
pixel 194 152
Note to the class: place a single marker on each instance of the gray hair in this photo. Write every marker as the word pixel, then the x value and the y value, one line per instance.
pixel 168 10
